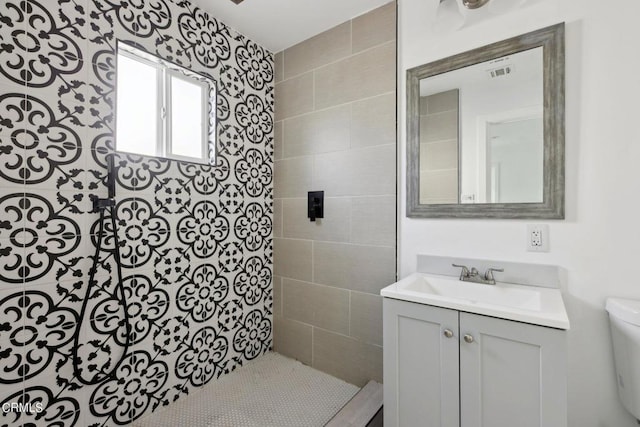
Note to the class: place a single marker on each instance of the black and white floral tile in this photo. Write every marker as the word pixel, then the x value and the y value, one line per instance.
pixel 195 240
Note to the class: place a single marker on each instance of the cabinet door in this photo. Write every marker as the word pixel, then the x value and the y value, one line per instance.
pixel 421 386
pixel 511 374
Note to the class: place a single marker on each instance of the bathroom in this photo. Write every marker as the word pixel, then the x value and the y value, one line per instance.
pixel 311 99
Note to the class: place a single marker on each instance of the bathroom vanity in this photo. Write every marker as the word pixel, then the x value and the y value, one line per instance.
pixel 494 353
pixel 469 354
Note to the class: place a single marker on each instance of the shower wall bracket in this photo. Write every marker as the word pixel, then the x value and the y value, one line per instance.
pixel 315 205
pixel 99 204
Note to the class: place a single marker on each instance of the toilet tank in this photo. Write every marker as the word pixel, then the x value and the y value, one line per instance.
pixel 624 319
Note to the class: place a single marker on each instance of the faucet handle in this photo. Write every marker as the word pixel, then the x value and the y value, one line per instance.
pixel 488 275
pixel 464 272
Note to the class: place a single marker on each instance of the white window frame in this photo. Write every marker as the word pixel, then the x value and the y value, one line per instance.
pixel 204 102
pixel 165 71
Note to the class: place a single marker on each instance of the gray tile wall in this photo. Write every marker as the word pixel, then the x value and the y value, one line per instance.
pixel 336 132
pixel 439 147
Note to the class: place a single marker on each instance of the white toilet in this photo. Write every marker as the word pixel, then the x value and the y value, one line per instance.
pixel 624 318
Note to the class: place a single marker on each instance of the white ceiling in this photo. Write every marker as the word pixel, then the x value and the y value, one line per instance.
pixel 279 24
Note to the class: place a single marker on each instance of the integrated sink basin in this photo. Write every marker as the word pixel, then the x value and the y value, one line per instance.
pixel 530 304
pixel 499 294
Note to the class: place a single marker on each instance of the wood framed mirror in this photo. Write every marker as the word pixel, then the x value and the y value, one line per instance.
pixel 485 131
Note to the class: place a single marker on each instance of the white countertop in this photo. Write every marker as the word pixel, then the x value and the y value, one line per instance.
pixel 524 303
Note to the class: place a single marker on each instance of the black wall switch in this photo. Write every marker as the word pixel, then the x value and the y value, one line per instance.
pixel 315 205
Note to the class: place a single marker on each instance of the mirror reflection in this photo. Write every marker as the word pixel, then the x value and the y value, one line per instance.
pixel 481 134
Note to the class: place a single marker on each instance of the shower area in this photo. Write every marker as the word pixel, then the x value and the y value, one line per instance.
pixel 130 282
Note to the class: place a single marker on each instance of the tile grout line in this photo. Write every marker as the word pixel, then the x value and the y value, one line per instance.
pixel 342 104
pixel 351 37
pixel 347 336
pixel 282 142
pixel 281 297
pixel 298 239
pixel 313 89
pixel 313 269
pixel 372 147
pixel 365 196
pixel 351 55
pixel 349 315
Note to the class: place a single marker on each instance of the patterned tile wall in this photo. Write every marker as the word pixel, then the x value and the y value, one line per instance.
pixel 195 240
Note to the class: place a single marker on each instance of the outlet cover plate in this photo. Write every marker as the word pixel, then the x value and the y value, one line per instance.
pixel 537 237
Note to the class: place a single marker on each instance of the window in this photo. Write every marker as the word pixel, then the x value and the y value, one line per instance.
pixel 162 109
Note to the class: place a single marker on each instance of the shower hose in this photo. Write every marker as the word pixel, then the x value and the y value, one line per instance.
pixel 102 205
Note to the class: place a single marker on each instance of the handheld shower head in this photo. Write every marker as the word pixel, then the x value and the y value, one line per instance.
pixel 111 177
pixel 100 206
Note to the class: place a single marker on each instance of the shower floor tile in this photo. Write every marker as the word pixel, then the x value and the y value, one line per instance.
pixel 271 391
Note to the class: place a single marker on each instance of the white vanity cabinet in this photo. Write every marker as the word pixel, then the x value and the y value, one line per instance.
pixel 448 368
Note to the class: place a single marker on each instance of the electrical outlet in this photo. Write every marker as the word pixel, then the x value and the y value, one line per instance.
pixel 538 238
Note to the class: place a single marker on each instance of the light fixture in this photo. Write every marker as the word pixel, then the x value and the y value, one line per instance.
pixel 448 16
pixel 498 7
pixel 454 14
pixel 474 4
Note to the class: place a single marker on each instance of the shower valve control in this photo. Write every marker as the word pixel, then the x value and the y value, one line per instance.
pixel 315 205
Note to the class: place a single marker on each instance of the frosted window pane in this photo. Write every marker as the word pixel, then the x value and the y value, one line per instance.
pixel 186 118
pixel 137 107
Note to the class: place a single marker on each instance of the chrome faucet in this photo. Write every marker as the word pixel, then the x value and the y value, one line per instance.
pixel 473 275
